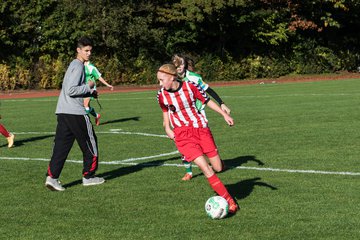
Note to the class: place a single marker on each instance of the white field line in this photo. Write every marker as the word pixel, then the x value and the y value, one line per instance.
pixel 116 162
pixel 98 132
pixel 142 158
pixel 131 161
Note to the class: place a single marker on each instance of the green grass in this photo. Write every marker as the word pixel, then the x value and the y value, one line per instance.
pixel 300 126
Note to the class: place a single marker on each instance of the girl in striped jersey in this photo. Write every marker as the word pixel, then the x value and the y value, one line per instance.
pixel 188 127
pixel 186 72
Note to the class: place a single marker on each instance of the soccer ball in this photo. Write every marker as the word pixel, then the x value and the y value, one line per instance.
pixel 216 207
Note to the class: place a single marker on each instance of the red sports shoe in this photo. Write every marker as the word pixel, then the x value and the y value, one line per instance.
pixel 232 206
pixel 97 119
pixel 187 177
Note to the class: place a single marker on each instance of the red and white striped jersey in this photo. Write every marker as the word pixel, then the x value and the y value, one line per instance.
pixel 180 105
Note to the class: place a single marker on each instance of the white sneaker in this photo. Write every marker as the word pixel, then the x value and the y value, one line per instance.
pixel 93 181
pixel 53 184
pixel 10 140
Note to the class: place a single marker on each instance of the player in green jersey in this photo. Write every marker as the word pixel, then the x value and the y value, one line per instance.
pixel 186 71
pixel 93 74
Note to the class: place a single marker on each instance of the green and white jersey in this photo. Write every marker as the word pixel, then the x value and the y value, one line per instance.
pixel 91 73
pixel 197 79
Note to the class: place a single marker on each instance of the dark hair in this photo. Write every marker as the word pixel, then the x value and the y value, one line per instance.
pixel 178 59
pixel 83 42
pixel 190 64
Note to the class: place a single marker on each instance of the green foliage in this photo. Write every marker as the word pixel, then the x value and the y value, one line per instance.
pixel 49 73
pixel 309 57
pixel 21 76
pixel 15 77
pixel 349 60
pixel 110 68
pixel 6 82
pixel 143 71
pixel 231 39
pixel 265 67
pixel 272 31
pixel 210 67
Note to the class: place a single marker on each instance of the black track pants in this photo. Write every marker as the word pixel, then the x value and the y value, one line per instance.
pixel 71 128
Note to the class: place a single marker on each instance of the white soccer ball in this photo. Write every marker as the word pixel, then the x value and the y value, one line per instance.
pixel 216 207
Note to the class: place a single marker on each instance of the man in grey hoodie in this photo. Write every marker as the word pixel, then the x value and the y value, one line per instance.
pixel 73 123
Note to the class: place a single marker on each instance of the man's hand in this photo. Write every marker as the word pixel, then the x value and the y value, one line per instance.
pixel 94 94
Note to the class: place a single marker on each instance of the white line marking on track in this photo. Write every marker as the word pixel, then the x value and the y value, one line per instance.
pixel 130 161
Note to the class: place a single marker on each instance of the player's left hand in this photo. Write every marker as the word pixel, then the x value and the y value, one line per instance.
pixel 170 134
pixel 229 120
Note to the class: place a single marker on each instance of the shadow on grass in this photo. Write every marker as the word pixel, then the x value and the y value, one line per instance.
pixel 18 143
pixel 236 162
pixel 239 190
pixel 121 171
pixel 121 120
pixel 244 188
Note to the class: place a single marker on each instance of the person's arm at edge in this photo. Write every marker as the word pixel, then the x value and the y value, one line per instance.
pixel 101 79
pixel 167 127
pixel 211 104
pixel 217 98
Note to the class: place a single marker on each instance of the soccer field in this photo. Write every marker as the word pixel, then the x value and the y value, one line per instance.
pixel 293 158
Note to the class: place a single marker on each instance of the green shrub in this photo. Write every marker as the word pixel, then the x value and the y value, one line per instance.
pixel 48 72
pixel 210 67
pixel 5 77
pixel 110 68
pixel 22 76
pixel 309 57
pixel 140 71
pixel 213 68
pixel 232 71
pixel 14 78
pixel 349 60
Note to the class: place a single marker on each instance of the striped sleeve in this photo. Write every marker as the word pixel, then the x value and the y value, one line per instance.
pixel 199 93
pixel 160 99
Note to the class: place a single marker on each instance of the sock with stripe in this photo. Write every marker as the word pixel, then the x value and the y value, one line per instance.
pixel 219 187
pixel 188 167
pixel 92 112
